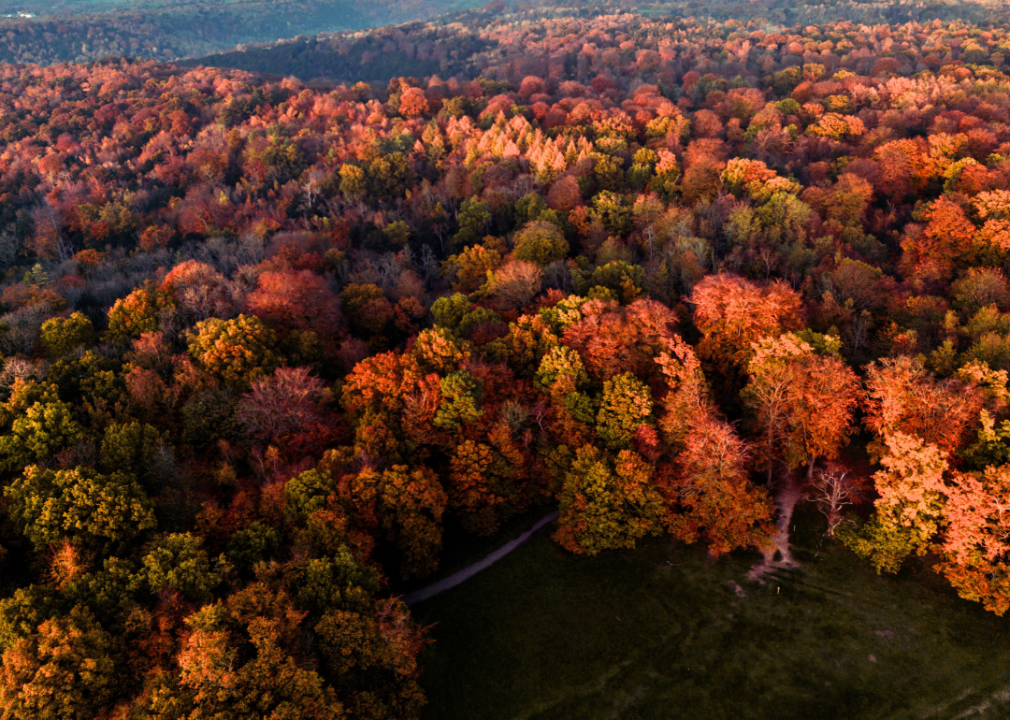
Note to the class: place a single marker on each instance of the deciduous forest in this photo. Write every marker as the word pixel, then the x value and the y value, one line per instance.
pixel 264 339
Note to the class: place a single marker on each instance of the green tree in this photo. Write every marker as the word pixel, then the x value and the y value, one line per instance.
pixel 60 336
pixel 45 427
pixel 101 512
pixel 608 503
pixel 236 351
pixel 540 243
pixel 128 447
pixel 252 544
pixel 626 405
pixel 474 218
pixel 461 394
pixel 179 562
pixel 610 209
pixel 352 181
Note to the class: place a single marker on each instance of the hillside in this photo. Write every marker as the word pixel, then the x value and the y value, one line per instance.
pixel 465 43
pixel 168 30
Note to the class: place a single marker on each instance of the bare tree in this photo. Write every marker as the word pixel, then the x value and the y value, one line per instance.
pixel 49 241
pixel 832 490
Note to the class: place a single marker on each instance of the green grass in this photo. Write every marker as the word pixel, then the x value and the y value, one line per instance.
pixel 544 634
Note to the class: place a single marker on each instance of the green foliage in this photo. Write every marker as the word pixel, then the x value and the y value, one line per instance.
pixel 474 218
pixel 110 592
pixel 251 545
pixel 564 364
pixel 458 315
pixel 179 562
pixel 283 160
pixel 389 176
pixel 128 447
pixel 461 395
pixel 307 492
pixel 208 416
pixel 608 173
pixel 101 512
pixel 449 310
pixel 23 612
pixel 367 310
pixel 607 503
pixel 60 336
pixel 824 345
pixel 334 583
pixel 236 351
pixel 398 233
pixel 532 208
pixel 626 404
pixel 91 377
pixel 540 243
pixel 352 181
pixel 992 446
pixel 612 211
pixel 580 406
pixel 44 428
pixel 622 280
pixel 642 166
pixel 885 545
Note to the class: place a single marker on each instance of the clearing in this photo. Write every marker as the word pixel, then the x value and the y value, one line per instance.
pixel 657 633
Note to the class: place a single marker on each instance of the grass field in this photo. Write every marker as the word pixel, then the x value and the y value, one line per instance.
pixel 544 634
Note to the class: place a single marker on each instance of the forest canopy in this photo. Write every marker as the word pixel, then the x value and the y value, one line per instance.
pixel 265 341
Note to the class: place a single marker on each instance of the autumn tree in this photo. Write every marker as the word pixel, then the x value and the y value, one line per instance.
pixel 903 397
pixel 708 493
pixel 608 502
pixel 70 669
pixel 833 489
pixel 404 506
pixel 236 351
pixel 200 290
pixel 142 311
pixel 237 661
pixel 802 401
pixel 289 300
pixel 286 402
pixel 615 340
pixel 733 314
pixel 101 512
pixel 909 509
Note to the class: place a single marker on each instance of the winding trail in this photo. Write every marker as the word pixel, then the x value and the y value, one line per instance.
pixel 470 570
pixel 786 497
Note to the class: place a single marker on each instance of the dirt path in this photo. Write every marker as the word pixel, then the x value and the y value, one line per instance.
pixel 786 496
pixel 470 570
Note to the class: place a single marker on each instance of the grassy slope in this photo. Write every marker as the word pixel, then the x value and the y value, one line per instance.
pixel 543 634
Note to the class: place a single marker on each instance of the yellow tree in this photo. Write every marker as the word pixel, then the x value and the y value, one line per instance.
pixel 910 506
pixel 608 502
